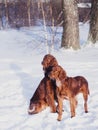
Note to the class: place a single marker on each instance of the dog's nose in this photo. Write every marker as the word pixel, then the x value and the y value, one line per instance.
pixel 29 112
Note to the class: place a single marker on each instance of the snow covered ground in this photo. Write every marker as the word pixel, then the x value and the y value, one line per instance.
pixel 21 53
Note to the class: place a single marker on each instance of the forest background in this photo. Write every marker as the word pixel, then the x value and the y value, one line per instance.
pixel 20 13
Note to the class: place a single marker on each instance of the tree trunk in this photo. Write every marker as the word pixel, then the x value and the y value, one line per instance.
pixel 6 14
pixel 70 36
pixel 93 32
pixel 29 16
pixel 45 28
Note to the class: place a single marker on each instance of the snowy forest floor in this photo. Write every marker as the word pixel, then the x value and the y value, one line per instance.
pixel 21 53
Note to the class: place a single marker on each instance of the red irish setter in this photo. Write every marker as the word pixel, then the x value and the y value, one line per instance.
pixel 68 88
pixel 44 95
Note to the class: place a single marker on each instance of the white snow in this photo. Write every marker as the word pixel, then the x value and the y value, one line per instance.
pixel 21 53
pixel 84 5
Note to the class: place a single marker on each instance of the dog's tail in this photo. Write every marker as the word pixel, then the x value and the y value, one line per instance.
pixel 87 87
pixel 88 91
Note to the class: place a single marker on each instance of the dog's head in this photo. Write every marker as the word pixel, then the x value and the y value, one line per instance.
pixel 58 74
pixel 36 106
pixel 48 62
pixel 33 107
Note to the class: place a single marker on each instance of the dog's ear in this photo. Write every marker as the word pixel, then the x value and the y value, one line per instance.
pixel 62 74
pixel 53 62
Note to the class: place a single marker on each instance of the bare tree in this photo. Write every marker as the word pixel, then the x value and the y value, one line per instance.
pixel 45 28
pixel 29 17
pixel 6 13
pixel 93 32
pixel 70 36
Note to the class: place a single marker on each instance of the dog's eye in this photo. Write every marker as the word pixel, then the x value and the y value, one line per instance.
pixel 56 72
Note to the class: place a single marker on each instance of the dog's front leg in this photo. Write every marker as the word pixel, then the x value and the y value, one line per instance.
pixel 60 106
pixel 51 103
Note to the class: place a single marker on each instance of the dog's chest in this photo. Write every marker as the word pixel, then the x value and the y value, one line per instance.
pixel 64 93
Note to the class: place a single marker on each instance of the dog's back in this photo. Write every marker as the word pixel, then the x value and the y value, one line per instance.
pixel 82 83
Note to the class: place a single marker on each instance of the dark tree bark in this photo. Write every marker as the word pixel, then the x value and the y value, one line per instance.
pixel 29 16
pixel 6 14
pixel 93 32
pixel 70 36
